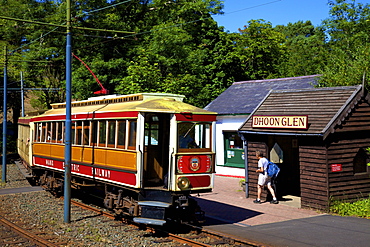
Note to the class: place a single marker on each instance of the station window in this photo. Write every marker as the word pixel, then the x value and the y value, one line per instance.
pixel 233 140
pixel 234 150
pixel 277 154
pixel 360 162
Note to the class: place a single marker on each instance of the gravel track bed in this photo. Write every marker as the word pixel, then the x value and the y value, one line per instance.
pixel 43 212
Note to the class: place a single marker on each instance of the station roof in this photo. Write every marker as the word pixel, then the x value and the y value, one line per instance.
pixel 244 96
pixel 325 108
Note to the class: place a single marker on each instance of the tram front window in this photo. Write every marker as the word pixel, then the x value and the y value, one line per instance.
pixel 194 136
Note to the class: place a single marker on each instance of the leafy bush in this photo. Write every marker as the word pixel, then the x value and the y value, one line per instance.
pixel 360 208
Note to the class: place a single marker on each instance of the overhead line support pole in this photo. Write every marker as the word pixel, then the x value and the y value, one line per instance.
pixel 68 125
pixel 4 117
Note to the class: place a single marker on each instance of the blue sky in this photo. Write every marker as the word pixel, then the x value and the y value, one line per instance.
pixel 278 12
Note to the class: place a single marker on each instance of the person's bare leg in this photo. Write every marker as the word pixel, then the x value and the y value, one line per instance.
pixel 259 192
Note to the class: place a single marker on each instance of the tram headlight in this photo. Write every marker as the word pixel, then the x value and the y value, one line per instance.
pixel 183 183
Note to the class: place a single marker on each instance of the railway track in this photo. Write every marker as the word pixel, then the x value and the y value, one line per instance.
pixel 197 236
pixel 14 235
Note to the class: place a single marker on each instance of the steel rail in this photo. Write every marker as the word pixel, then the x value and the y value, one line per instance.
pixel 27 234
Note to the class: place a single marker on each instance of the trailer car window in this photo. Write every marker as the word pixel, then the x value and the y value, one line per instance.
pixel 79 132
pixel 86 133
pixel 132 134
pixel 121 138
pixel 102 133
pixel 94 134
pixel 60 133
pixel 111 133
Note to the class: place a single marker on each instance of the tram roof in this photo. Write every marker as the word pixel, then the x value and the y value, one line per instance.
pixel 143 102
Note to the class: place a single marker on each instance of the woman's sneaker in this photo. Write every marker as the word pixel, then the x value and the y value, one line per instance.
pixel 274 202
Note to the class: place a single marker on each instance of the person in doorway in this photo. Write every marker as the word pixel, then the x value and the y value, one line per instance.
pixel 263 178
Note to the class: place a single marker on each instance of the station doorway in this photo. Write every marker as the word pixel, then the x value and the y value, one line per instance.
pixel 284 151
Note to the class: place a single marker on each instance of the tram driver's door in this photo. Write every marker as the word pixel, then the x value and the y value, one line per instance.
pixel 156 143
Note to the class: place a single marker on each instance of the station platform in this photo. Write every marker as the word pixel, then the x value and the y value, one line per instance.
pixel 285 224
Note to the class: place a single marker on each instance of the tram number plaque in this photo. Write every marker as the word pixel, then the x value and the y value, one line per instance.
pixel 336 167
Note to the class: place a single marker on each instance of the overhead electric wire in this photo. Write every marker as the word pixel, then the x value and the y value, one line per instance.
pixel 252 7
pixel 140 33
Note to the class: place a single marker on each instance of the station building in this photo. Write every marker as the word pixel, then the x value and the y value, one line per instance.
pixel 319 138
pixel 233 106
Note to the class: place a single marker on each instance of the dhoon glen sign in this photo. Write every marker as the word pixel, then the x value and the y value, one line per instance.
pixel 284 122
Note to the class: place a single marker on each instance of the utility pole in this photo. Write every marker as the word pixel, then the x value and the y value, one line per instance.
pixel 68 143
pixel 68 125
pixel 4 116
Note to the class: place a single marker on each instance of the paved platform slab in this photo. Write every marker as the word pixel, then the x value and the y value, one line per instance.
pixel 20 190
pixel 285 224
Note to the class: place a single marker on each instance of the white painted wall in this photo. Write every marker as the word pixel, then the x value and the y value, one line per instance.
pixel 227 123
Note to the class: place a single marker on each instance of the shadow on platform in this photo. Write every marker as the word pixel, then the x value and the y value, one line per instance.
pixel 218 213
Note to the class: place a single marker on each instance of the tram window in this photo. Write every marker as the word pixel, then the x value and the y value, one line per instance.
pixel 73 132
pixel 60 134
pixel 151 134
pixel 53 132
pixel 121 138
pixel 48 132
pixel 79 132
pixel 132 135
pixel 37 132
pixel 43 132
pixel 85 132
pixel 102 133
pixel 194 135
pixel 111 133
pixel 94 133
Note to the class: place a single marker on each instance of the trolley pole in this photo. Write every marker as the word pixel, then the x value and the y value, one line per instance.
pixel 68 143
pixel 4 116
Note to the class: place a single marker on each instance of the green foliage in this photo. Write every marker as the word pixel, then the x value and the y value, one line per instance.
pixel 306 49
pixel 360 208
pixel 261 48
pixel 348 29
pixel 177 48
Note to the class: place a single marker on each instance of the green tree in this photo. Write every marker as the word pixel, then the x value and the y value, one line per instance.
pixel 348 28
pixel 306 49
pixel 262 49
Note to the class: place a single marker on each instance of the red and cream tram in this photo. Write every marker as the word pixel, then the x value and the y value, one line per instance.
pixel 149 151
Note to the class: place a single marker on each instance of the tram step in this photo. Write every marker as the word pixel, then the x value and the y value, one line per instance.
pixel 23 170
pixel 149 221
pixel 154 204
